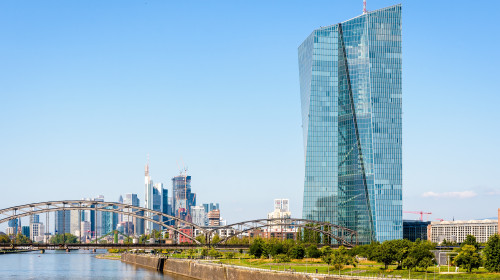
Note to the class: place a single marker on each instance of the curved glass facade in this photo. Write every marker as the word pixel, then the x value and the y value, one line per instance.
pixel 350 83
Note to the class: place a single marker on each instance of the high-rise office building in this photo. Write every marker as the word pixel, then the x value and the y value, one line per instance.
pixel 109 220
pixel 350 84
pixel 210 206
pixel 35 218
pixel 120 216
pixel 199 216
pixel 132 199
pixel 93 217
pixel 26 231
pixel 62 222
pixel 76 218
pixel 183 198
pixel 148 200
pixel 157 203
pixel 166 207
pixel 14 225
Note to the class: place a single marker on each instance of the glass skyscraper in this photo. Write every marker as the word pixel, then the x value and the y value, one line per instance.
pixel 350 84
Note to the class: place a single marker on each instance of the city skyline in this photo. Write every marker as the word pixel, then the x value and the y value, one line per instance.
pixel 82 105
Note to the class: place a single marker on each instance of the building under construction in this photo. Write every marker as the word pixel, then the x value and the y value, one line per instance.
pixel 182 197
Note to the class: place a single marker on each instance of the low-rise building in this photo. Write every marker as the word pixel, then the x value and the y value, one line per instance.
pixel 458 230
pixel 415 229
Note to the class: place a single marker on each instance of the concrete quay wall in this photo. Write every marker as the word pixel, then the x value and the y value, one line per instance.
pixel 208 271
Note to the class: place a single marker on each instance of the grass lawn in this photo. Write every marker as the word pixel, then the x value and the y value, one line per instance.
pixel 364 268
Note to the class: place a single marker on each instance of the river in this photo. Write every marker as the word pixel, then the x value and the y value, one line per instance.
pixel 78 264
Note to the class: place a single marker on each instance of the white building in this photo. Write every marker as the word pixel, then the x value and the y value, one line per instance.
pixel 10 231
pixel 199 216
pixel 75 220
pixel 281 211
pixel 458 230
pixel 37 232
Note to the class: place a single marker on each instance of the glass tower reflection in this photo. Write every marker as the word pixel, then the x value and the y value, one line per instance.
pixel 350 84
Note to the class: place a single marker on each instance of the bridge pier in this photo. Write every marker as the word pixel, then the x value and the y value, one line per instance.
pixel 93 250
pixel 67 250
pixel 42 251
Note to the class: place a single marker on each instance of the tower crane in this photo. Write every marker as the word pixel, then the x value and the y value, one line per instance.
pixel 421 213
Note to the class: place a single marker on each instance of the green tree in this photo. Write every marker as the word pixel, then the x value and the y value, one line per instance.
pixel 339 258
pixel 419 255
pixel 66 238
pixel 229 255
pixel 386 253
pixel 4 238
pixel 277 248
pixel 297 251
pixel 21 239
pixel 204 252
pixel 215 239
pixel 492 254
pixel 282 258
pixel 214 253
pixel 366 251
pixel 470 240
pixel 326 250
pixel 201 238
pixel 468 258
pixel 402 247
pixel 256 248
pixel 313 252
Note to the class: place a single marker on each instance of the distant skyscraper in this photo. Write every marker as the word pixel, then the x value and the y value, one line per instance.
pixel 26 231
pixel 183 198
pixel 120 216
pixel 34 218
pixel 14 224
pixel 62 222
pixel 148 201
pixel 166 206
pixel 157 203
pixel 199 216
pixel 132 199
pixel 210 206
pixel 109 220
pixel 94 217
pixel 76 219
pixel 350 84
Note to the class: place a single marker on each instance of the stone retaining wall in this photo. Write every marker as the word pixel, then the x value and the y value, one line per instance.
pixel 208 271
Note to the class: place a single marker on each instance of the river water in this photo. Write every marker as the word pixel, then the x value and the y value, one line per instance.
pixel 78 264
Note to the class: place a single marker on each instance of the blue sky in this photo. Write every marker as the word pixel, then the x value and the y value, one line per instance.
pixel 89 88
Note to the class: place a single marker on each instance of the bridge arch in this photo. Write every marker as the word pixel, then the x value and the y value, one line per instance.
pixel 20 211
pixel 344 236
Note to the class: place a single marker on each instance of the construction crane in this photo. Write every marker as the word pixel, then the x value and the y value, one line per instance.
pixel 421 213
pixel 439 219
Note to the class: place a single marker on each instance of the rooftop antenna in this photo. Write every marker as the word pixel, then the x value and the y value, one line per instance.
pixel 364 7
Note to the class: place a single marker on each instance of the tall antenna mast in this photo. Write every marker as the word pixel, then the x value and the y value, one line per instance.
pixel 364 7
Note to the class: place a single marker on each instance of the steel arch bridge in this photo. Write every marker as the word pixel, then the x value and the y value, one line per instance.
pixel 114 207
pixel 344 236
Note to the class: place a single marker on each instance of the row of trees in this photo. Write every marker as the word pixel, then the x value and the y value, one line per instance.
pixel 470 256
pixel 402 252
pixel 17 239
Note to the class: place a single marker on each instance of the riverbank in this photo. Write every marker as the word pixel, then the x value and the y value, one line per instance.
pixel 201 270
pixel 115 257
pixel 2 252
